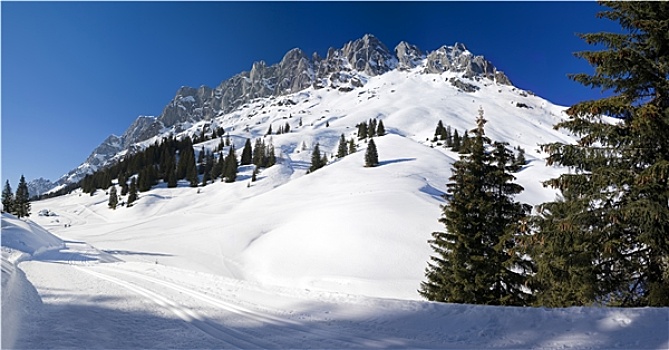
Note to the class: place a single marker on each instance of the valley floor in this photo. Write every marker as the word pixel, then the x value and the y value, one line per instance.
pixel 81 297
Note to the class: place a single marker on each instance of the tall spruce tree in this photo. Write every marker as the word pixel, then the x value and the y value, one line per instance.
pixel 342 150
pixel 7 198
pixel 439 131
pixel 371 155
pixel 352 148
pixel 22 199
pixel 113 198
pixel 132 192
pixel 230 166
pixel 247 153
pixel 475 261
pixel 606 241
pixel 380 129
pixel 316 159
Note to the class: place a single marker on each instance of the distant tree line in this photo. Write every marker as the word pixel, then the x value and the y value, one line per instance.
pixel 173 160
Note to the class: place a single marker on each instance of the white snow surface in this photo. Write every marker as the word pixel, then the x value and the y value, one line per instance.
pixel 331 259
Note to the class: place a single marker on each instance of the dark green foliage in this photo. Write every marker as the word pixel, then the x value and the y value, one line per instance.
pixel 352 148
pixel 362 130
pixel 269 131
pixel 247 153
pixel 123 182
pixel 371 155
pixel 456 144
pixel 464 142
pixel 371 128
pixel 230 166
pixel 171 178
pixel 132 192
pixel 146 179
pixel 519 160
pixel 286 128
pixel 342 150
pixel 113 198
pixel 200 156
pixel 475 260
pixel 448 137
pixel 254 175
pixel 263 155
pixel 21 204
pixel 317 161
pixel 7 198
pixel 440 131
pixel 380 129
pixel 606 241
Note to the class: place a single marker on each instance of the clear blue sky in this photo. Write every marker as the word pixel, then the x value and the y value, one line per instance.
pixel 75 72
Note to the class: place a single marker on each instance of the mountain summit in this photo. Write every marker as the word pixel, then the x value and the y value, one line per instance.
pixel 345 69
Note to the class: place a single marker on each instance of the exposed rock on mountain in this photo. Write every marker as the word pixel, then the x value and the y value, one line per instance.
pixel 344 69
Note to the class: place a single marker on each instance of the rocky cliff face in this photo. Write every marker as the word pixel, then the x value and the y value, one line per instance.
pixel 39 186
pixel 344 69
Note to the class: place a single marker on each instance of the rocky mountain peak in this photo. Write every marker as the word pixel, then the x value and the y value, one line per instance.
pixel 408 55
pixel 344 69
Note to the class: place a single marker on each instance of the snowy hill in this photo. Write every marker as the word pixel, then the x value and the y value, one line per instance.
pixel 342 211
pixel 329 259
pixel 345 69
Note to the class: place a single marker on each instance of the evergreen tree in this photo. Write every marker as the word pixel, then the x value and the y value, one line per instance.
pixel 171 178
pixel 316 159
pixel 464 142
pixel 607 239
pixel 439 131
pixel 259 153
pixel 230 166
pixel 132 192
pixel 113 197
pixel 123 182
pixel 192 176
pixel 342 150
pixel 519 160
pixel 22 199
pixel 269 131
pixel 352 148
pixel 380 129
pixel 286 128
pixel 371 155
pixel 371 128
pixel 362 130
pixel 448 137
pixel 7 198
pixel 270 156
pixel 247 153
pixel 456 142
pixel 217 168
pixel 475 260
pixel 254 175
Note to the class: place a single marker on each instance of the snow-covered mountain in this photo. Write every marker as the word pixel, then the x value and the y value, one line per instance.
pixel 329 259
pixel 346 69
pixel 410 92
pixel 38 186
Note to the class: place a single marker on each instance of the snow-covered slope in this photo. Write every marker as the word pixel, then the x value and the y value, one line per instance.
pixel 289 228
pixel 329 259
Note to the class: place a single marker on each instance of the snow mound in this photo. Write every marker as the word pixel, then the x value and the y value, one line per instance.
pixel 21 239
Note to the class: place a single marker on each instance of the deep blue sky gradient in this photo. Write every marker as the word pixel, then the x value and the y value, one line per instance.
pixel 75 72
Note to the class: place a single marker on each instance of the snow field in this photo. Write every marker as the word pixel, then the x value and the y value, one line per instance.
pixel 331 259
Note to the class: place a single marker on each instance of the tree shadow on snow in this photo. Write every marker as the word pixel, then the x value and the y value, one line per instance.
pixel 398 160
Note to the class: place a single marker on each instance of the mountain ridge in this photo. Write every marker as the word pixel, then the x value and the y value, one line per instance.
pixel 346 68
